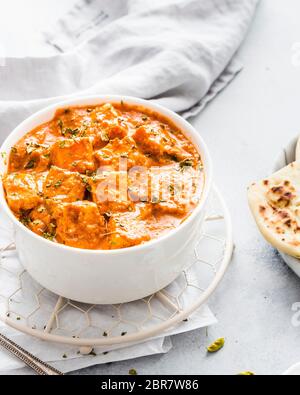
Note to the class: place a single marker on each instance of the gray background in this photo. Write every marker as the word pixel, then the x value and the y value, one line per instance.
pixel 245 128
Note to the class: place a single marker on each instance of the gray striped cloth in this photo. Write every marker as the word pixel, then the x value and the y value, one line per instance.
pixel 179 53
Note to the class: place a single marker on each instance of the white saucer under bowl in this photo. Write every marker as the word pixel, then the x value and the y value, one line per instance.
pixel 293 370
pixel 28 307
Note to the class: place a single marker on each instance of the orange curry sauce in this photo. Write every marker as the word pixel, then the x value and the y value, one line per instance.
pixel 54 174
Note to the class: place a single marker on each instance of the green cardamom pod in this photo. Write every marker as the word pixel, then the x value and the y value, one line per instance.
pixel 217 345
pixel 246 374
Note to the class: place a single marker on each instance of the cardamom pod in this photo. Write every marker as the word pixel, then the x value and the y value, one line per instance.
pixel 217 345
pixel 246 374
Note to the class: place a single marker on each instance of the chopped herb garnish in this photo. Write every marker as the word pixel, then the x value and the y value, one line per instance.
pixel 14 150
pixel 87 184
pixel 132 372
pixel 185 163
pixel 57 184
pixel 90 173
pixel 60 124
pixel 30 147
pixel 48 235
pixel 18 318
pixel 107 216
pixel 24 218
pixel 3 155
pixel 73 132
pixel 30 164
pixel 46 156
pixel 65 131
pixel 104 137
pixel 155 200
pixel 65 356
pixel 62 143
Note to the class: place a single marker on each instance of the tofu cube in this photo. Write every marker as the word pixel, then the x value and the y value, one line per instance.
pixel 79 224
pixel 21 191
pixel 157 142
pixel 110 192
pixel 126 230
pixel 63 185
pixel 116 150
pixel 30 154
pixel 73 154
pixel 40 220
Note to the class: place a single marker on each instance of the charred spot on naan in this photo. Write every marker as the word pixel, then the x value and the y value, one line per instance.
pixel 281 195
pixel 275 204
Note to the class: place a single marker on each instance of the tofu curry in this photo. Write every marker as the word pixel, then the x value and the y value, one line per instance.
pixel 103 177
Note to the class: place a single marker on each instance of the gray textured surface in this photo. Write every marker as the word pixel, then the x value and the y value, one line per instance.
pixel 245 128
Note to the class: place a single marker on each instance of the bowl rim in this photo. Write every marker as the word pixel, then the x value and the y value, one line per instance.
pixel 92 100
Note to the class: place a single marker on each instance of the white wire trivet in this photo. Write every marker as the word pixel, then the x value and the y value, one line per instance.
pixel 31 309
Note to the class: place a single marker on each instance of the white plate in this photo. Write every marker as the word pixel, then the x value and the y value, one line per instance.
pixel 293 370
pixel 28 307
pixel 287 156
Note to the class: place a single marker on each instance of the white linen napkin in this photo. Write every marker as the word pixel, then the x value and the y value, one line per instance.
pixel 176 52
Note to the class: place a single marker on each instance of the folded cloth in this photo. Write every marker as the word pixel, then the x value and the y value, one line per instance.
pixel 67 359
pixel 176 52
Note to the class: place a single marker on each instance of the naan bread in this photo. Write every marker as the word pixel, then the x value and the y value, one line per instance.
pixel 297 153
pixel 275 204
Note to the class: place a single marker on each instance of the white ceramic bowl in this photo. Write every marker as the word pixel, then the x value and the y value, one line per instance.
pixel 287 156
pixel 115 276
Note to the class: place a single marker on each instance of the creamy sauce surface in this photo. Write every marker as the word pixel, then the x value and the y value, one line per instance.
pixel 104 177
